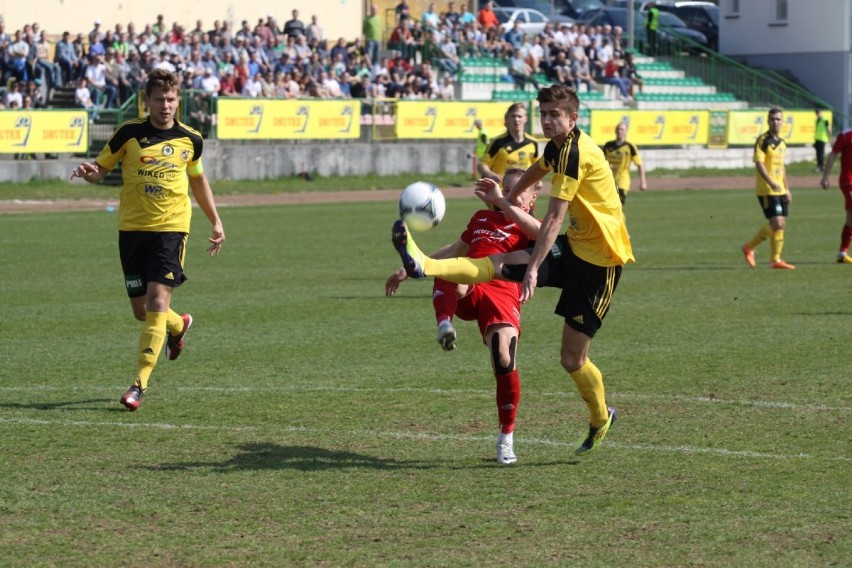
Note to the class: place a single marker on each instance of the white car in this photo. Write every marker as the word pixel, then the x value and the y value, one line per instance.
pixel 532 21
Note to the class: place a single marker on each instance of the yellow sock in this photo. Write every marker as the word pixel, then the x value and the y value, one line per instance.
pixel 776 244
pixel 174 323
pixel 589 381
pixel 460 270
pixel 150 343
pixel 764 233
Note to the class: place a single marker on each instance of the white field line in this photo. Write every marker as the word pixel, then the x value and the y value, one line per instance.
pixel 613 396
pixel 722 452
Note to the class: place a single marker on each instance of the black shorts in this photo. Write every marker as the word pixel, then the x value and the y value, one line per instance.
pixel 148 256
pixel 587 289
pixel 773 205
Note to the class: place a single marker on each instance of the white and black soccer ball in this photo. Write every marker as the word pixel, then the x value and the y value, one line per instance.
pixel 421 206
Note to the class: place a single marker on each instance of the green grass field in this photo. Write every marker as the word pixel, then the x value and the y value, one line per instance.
pixel 313 422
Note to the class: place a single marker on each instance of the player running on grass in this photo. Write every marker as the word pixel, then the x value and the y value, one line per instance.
pixel 585 262
pixel 495 305
pixel 160 159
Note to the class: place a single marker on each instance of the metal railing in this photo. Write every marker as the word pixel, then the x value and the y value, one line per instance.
pixel 761 88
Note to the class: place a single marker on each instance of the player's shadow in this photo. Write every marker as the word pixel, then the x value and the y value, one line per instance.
pixel 63 405
pixel 260 456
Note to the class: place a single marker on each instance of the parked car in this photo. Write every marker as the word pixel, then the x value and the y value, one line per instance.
pixel 576 8
pixel 531 21
pixel 699 16
pixel 670 30
pixel 544 6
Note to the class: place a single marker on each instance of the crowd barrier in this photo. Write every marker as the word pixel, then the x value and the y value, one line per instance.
pixel 68 131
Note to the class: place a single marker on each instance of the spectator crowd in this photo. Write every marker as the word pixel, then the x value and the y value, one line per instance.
pixel 423 59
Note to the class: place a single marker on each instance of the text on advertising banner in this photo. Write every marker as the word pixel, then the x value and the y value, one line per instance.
pixel 435 119
pixel 250 119
pixel 797 127
pixel 52 132
pixel 652 127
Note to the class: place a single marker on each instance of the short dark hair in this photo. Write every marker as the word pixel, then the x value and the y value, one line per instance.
pixel 162 80
pixel 566 96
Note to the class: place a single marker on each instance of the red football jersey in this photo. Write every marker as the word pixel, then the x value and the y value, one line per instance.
pixel 490 232
pixel 843 146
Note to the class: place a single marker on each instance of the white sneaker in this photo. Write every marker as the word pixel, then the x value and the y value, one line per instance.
pixel 505 450
pixel 447 335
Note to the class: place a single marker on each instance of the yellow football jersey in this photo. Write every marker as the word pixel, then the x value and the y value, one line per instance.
pixel 620 156
pixel 596 227
pixel 771 152
pixel 504 152
pixel 155 165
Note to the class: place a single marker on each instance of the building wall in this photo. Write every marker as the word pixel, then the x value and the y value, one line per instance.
pixel 814 44
pixel 337 17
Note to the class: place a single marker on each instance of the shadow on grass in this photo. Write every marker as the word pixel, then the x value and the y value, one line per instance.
pixel 65 405
pixel 260 456
pixel 306 458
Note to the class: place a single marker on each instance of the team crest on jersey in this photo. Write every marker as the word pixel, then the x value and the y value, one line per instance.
pixel 168 150
pixel 184 155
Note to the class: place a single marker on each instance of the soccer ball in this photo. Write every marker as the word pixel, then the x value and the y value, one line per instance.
pixel 421 206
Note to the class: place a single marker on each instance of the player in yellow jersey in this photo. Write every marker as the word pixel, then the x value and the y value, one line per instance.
pixel 773 193
pixel 620 154
pixel 514 148
pixel 160 160
pixel 585 262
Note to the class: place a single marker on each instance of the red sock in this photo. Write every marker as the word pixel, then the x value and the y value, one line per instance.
pixel 845 238
pixel 508 397
pixel 444 299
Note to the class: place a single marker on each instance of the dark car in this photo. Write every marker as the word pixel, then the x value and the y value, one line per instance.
pixel 576 8
pixel 543 6
pixel 670 31
pixel 699 16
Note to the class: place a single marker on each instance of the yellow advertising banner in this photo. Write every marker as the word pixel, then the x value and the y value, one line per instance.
pixel 44 131
pixel 652 127
pixel 797 128
pixel 448 120
pixel 252 119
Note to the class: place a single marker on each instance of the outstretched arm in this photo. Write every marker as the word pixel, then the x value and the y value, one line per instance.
pixel 90 172
pixel 551 226
pixel 489 192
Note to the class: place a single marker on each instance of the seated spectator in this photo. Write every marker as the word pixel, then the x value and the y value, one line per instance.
pixel 14 98
pixel 449 58
pixel 560 70
pixel 209 83
pixel 611 77
pixel 629 71
pixel 520 71
pixel 69 62
pixel 582 73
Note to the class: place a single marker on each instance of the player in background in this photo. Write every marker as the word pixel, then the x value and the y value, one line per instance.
pixel 585 262
pixel 494 305
pixel 620 154
pixel 513 148
pixel 481 140
pixel 842 147
pixel 822 130
pixel 773 193
pixel 160 160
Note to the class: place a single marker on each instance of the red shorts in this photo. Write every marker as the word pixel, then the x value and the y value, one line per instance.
pixel 846 190
pixel 492 303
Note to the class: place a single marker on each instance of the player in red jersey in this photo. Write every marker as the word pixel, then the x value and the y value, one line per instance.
pixel 843 148
pixel 494 305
